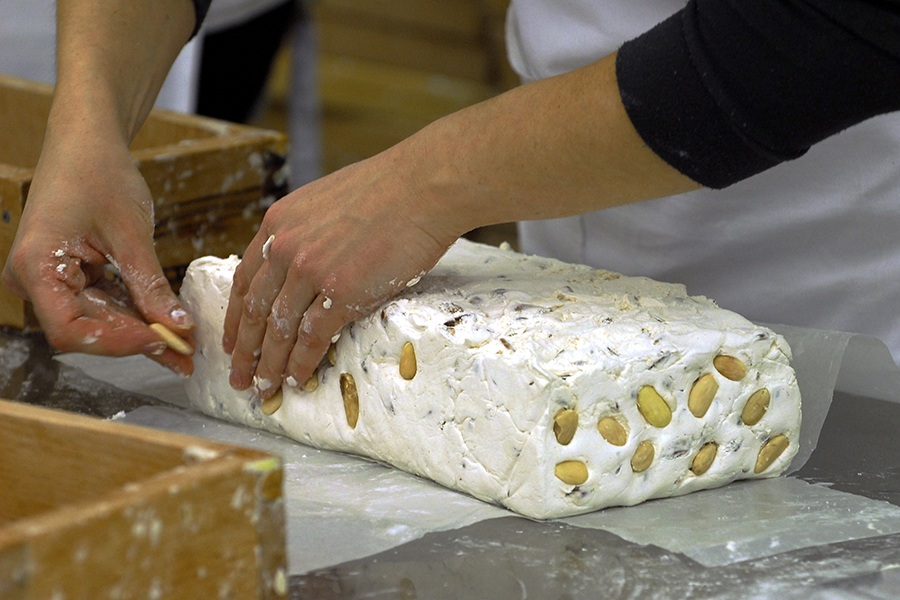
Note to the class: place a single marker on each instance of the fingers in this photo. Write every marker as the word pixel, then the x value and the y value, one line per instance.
pixel 294 342
pixel 81 310
pixel 158 305
pixel 92 322
pixel 115 329
pixel 325 255
pixel 254 311
pixel 243 277
pixel 277 325
pixel 149 289
pixel 165 347
pixel 318 328
pixel 74 317
pixel 78 219
pixel 281 336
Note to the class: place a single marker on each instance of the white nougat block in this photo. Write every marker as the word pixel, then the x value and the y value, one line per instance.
pixel 549 388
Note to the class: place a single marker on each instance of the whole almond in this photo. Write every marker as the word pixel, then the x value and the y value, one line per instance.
pixel 653 407
pixel 565 423
pixel 173 341
pixel 408 366
pixel 271 405
pixel 702 395
pixel 704 458
pixel 730 367
pixel 612 431
pixel 312 384
pixel 573 472
pixel 770 451
pixel 756 407
pixel 351 399
pixel 643 457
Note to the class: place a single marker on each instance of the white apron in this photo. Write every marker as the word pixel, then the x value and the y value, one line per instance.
pixel 814 242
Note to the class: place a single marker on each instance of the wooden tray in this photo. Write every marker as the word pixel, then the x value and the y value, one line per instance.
pixel 95 509
pixel 211 181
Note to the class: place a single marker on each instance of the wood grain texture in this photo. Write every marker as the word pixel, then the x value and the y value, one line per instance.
pixel 98 509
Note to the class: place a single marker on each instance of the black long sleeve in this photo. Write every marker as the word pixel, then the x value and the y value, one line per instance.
pixel 725 89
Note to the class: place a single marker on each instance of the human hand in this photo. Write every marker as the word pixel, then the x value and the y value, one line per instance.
pixel 89 207
pixel 325 255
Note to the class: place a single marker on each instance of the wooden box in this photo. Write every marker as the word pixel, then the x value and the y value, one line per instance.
pixel 97 509
pixel 387 68
pixel 433 36
pixel 211 181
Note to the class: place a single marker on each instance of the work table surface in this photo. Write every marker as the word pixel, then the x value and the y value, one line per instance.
pixel 511 557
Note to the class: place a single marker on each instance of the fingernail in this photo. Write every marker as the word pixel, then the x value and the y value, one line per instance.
pixel 261 384
pixel 237 381
pixel 181 318
pixel 155 348
pixel 178 371
pixel 291 382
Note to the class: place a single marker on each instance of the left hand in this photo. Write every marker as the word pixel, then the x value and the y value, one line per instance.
pixel 89 207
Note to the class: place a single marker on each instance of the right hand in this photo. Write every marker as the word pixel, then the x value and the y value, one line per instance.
pixel 325 255
pixel 88 207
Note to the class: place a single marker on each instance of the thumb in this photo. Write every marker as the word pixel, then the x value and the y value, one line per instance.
pixel 150 290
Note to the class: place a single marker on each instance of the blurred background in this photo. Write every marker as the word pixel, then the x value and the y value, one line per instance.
pixel 344 79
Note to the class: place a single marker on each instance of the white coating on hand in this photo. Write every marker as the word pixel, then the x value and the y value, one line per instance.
pixel 267 245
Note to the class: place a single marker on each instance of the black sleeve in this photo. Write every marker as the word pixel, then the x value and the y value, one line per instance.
pixel 201 7
pixel 725 89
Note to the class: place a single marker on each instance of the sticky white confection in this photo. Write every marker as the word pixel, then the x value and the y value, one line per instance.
pixel 503 342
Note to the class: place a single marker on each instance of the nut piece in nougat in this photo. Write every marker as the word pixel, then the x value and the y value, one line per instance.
pixel 172 340
pixel 550 388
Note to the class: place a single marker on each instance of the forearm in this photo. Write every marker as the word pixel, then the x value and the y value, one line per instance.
pixel 88 204
pixel 113 57
pixel 553 148
pixel 719 92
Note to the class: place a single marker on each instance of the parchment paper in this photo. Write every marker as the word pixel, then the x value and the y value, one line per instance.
pixel 826 361
pixel 341 508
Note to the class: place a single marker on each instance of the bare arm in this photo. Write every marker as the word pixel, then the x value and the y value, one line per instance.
pixel 347 242
pixel 88 205
pixel 721 90
pixel 113 57
pixel 553 148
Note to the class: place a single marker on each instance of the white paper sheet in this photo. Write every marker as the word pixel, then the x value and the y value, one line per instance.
pixel 340 507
